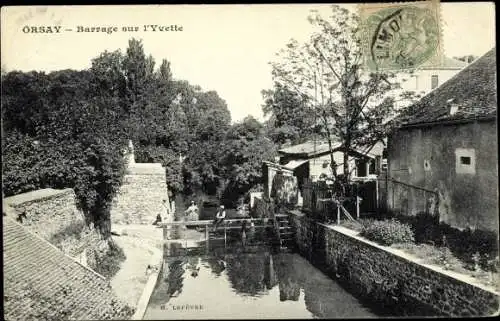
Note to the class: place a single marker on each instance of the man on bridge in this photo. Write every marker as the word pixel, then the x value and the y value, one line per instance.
pixel 219 217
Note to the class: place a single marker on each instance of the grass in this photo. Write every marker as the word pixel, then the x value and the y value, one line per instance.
pixel 442 257
pixel 72 231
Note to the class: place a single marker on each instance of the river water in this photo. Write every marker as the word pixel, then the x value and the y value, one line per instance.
pixel 248 284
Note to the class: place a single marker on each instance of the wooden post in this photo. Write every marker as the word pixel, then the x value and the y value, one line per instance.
pixel 206 237
pixel 376 194
pixel 225 233
pixel 338 213
pixel 357 207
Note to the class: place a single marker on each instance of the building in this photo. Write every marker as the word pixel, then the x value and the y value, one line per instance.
pixel 311 160
pixel 427 78
pixel 447 144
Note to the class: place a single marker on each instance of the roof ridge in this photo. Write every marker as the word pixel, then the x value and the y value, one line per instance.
pixel 455 75
pixel 30 232
pixel 421 108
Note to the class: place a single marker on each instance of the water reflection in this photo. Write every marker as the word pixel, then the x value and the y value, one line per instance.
pixel 253 285
pixel 246 273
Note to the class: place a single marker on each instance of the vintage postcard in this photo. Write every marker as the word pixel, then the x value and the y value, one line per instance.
pixel 284 161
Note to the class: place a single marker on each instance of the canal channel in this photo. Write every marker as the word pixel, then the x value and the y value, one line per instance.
pixel 252 282
pixel 245 284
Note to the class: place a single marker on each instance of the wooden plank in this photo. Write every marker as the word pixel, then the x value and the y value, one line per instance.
pixel 206 237
pixel 203 222
pixel 225 234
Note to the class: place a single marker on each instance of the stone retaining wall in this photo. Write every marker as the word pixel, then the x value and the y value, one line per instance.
pixel 389 278
pixel 52 214
pixel 141 195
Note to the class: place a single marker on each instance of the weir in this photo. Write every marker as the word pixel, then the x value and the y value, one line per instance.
pixel 278 229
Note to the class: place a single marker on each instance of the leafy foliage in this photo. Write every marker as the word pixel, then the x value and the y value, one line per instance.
pixel 69 128
pixel 387 232
pixel 350 105
pixel 245 147
pixel 462 243
pixel 290 119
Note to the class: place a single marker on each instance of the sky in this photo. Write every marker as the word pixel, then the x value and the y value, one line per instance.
pixel 226 48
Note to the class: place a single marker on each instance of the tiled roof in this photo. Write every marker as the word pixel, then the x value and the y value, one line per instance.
pixel 447 63
pixel 40 282
pixel 309 148
pixel 472 91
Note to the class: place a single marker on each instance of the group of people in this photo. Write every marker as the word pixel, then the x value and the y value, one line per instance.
pixel 219 216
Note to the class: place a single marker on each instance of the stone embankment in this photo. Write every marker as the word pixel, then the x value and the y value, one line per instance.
pixel 53 215
pixel 389 277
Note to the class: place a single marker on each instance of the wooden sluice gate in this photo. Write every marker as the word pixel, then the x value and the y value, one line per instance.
pixel 276 230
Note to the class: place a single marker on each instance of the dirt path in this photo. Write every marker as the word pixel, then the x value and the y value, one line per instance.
pixel 139 243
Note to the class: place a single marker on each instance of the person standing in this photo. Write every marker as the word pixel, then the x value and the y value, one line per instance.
pixel 192 212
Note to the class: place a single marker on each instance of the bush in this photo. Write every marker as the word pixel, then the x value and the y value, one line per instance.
pixel 463 244
pixel 261 208
pixel 387 232
pixel 109 263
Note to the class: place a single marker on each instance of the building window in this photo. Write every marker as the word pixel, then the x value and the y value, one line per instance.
pixel 434 81
pixel 372 167
pixel 360 168
pixel 465 161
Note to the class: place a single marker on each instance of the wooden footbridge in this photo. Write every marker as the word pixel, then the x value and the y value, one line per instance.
pixel 278 228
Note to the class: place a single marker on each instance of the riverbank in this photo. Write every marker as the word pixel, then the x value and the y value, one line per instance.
pixel 389 277
pixel 139 243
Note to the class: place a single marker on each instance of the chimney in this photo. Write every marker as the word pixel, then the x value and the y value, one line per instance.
pixel 452 105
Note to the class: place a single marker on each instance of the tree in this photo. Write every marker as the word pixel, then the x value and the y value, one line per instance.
pixel 350 103
pixel 242 153
pixel 289 117
pixel 63 130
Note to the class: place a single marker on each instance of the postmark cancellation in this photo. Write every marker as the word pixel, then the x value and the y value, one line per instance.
pixel 401 36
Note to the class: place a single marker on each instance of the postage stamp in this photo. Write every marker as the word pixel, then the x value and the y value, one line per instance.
pixel 401 36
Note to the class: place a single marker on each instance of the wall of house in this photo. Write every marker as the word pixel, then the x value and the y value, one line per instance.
pixel 420 82
pixel 52 214
pixel 140 198
pixel 321 165
pixel 317 165
pixel 393 281
pixel 270 174
pixel 427 157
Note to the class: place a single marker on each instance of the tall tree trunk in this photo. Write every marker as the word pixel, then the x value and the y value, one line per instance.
pixel 347 146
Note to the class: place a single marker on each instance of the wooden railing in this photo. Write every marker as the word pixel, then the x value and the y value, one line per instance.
pixel 226 225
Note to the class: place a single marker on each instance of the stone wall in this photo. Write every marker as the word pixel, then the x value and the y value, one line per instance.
pixel 52 214
pixel 389 278
pixel 429 157
pixel 140 198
